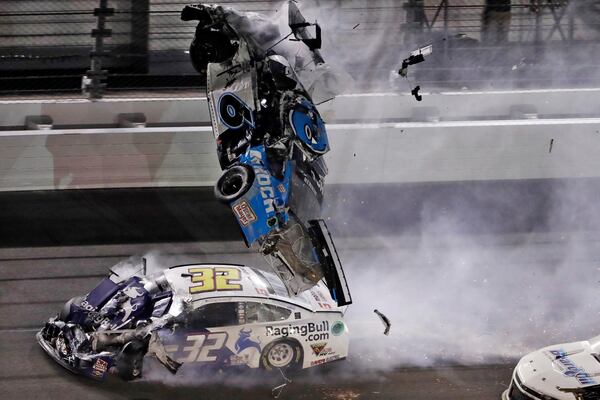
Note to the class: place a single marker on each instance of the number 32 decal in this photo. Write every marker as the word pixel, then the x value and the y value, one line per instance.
pixel 210 279
pixel 201 346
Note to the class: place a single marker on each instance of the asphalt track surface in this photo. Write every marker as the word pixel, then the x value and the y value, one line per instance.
pixel 35 282
pixel 55 245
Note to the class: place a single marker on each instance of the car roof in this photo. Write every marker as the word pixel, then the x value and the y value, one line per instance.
pixel 188 280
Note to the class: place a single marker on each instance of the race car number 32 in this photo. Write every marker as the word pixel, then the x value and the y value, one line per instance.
pixel 210 279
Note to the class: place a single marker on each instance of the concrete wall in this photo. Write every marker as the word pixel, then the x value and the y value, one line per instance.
pixel 542 141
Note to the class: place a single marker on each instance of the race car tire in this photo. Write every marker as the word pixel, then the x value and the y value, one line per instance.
pixel 210 46
pixel 130 360
pixel 234 183
pixel 282 354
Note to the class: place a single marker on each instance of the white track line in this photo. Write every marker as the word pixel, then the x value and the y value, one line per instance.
pixel 330 127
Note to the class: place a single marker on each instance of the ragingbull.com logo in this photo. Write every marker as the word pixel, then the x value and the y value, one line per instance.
pixel 311 330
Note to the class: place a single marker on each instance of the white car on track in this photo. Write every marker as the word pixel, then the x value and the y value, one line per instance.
pixel 248 318
pixel 568 371
pixel 199 315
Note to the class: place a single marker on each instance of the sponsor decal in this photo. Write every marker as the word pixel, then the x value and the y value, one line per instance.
pixel 262 291
pixel 569 368
pixel 324 360
pixel 245 341
pixel 244 213
pixel 99 367
pixel 281 188
pixel 239 359
pixel 338 328
pixel 233 112
pixel 311 331
pixel 317 348
pixel 264 181
pixel 95 316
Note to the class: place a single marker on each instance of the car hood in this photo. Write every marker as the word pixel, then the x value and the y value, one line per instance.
pixel 563 366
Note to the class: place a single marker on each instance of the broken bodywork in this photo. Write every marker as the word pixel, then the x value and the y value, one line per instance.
pixel 270 140
pixel 204 315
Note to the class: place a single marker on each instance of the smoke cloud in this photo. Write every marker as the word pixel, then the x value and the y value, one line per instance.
pixel 460 284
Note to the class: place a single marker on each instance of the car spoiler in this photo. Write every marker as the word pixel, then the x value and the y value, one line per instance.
pixel 330 262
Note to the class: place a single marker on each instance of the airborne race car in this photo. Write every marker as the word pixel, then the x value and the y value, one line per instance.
pixel 206 315
pixel 568 371
pixel 270 141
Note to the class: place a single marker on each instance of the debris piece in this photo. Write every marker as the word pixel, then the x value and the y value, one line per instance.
pixel 276 391
pixel 551 144
pixel 415 92
pixel 356 26
pixel 385 321
pixel 415 57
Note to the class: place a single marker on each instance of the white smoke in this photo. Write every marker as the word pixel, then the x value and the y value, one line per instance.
pixel 458 295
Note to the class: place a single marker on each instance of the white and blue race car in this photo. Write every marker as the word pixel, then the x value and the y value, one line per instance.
pixel 569 371
pixel 198 315
pixel 270 140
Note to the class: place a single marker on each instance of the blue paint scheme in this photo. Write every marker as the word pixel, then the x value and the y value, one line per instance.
pixel 268 196
pixel 100 297
pixel 118 307
pixel 101 293
pixel 311 131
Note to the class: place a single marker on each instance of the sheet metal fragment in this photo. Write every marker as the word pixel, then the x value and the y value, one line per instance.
pixel 385 321
pixel 276 392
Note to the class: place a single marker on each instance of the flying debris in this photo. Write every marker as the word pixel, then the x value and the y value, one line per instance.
pixel 277 390
pixel 385 320
pixel 270 139
pixel 415 57
pixel 415 92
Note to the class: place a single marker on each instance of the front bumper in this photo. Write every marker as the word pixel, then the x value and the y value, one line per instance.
pixel 95 367
pixel 518 391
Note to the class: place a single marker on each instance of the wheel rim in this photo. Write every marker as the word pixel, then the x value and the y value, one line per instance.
pixel 281 355
pixel 232 185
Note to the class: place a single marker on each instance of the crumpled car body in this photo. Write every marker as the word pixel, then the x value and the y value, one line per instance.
pixel 200 315
pixel 270 142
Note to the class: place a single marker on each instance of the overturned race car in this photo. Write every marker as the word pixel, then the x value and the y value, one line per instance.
pixel 569 371
pixel 200 315
pixel 270 141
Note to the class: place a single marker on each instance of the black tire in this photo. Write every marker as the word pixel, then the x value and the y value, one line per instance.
pixel 234 183
pixel 130 361
pixel 210 46
pixel 282 354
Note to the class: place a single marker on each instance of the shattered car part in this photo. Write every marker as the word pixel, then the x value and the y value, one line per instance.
pixel 415 57
pixel 277 390
pixel 270 139
pixel 201 315
pixel 385 320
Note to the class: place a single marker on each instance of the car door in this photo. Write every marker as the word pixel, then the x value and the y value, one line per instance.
pixel 201 336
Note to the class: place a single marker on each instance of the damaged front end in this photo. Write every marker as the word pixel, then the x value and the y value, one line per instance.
pixel 270 139
pixel 112 328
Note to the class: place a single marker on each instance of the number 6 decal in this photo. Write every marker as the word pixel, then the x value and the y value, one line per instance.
pixel 234 112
